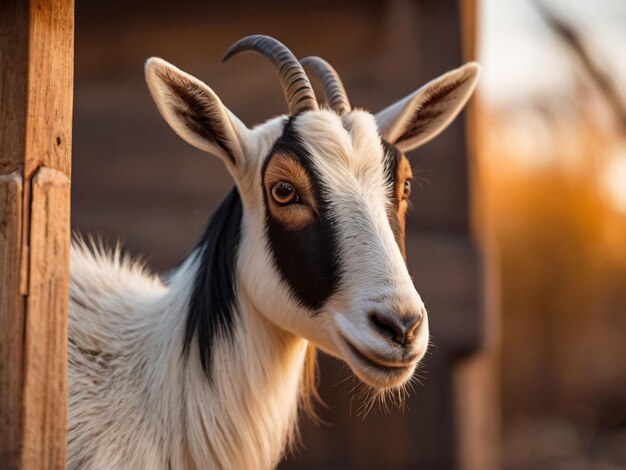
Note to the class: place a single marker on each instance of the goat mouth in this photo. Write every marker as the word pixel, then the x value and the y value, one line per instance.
pixel 378 363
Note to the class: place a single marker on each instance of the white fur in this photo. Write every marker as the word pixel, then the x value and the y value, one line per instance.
pixel 137 402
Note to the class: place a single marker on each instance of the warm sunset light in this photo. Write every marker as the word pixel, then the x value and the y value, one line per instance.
pixel 552 167
pixel 354 234
pixel 613 179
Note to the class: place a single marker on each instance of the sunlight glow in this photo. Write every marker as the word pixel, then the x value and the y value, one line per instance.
pixel 614 179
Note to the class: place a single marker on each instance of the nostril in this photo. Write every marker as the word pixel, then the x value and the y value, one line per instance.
pixel 401 331
pixel 382 324
pixel 389 327
pixel 412 324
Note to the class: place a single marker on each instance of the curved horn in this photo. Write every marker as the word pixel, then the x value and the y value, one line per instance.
pixel 295 83
pixel 329 78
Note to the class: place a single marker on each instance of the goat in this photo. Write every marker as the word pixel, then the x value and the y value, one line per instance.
pixel 208 366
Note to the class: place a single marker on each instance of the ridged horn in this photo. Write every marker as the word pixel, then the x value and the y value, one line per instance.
pixel 294 81
pixel 334 90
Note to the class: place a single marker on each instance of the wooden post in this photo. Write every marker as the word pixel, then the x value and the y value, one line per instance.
pixel 36 91
pixel 476 388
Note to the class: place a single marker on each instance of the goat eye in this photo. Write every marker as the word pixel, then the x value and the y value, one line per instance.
pixel 284 193
pixel 407 189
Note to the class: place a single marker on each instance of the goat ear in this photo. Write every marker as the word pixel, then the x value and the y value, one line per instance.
pixel 421 116
pixel 195 112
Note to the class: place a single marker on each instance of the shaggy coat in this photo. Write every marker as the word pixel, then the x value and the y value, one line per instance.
pixel 206 367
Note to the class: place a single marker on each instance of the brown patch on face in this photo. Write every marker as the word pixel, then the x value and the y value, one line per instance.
pixel 286 168
pixel 403 174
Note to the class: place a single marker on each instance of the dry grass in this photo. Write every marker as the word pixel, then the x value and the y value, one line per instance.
pixel 562 249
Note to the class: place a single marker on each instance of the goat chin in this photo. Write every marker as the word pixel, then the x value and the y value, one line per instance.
pixel 384 378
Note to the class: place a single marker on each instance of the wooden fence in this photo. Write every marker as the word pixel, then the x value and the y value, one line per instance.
pixel 36 89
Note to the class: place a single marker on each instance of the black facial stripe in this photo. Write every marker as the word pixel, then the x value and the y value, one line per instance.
pixel 392 158
pixel 307 257
pixel 212 303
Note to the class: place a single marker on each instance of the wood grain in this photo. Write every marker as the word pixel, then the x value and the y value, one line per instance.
pixel 36 95
pixel 13 83
pixel 11 318
pixel 36 80
pixel 49 99
pixel 50 86
pixel 45 346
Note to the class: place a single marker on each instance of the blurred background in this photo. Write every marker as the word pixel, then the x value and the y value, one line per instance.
pixel 517 240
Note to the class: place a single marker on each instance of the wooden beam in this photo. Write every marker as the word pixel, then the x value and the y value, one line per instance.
pixel 476 387
pixel 45 341
pixel 13 84
pixel 12 309
pixel 36 93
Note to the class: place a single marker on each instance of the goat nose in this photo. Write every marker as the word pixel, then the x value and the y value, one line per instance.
pixel 401 330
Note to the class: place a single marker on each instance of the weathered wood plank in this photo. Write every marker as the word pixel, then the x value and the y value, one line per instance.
pixel 45 346
pixel 36 74
pixel 13 84
pixel 36 94
pixel 50 86
pixel 49 99
pixel 11 319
